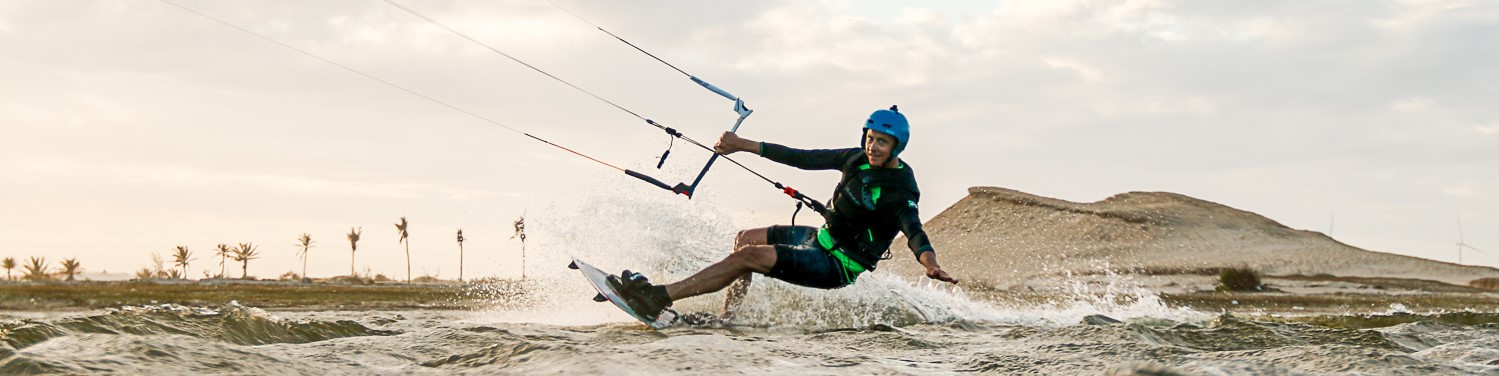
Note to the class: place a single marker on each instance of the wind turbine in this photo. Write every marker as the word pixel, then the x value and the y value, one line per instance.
pixel 1460 243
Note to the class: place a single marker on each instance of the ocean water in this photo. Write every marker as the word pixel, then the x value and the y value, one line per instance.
pixel 169 340
pixel 881 325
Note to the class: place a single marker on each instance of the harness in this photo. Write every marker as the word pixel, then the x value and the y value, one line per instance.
pixel 866 195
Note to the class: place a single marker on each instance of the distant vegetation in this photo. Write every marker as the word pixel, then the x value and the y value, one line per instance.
pixel 520 231
pixel 38 269
pixel 1490 283
pixel 1239 279
pixel 181 258
pixel 223 252
pixel 460 255
pixel 70 268
pixel 244 254
pixel 401 228
pixel 353 247
pixel 304 241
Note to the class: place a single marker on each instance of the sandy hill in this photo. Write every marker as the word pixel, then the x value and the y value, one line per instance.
pixel 1000 237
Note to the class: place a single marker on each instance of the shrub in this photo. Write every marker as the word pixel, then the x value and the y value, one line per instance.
pixel 1239 279
pixel 349 279
pixel 1489 283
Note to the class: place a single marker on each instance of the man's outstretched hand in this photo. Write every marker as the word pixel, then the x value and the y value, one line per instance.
pixel 940 275
pixel 934 271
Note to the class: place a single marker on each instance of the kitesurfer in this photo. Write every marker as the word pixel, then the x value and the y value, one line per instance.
pixel 876 198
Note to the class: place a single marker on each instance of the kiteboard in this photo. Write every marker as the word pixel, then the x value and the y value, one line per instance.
pixel 600 282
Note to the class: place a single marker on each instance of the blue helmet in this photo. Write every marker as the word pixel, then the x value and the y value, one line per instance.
pixel 889 122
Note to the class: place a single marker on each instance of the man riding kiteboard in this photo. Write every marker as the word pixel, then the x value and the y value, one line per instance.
pixel 875 199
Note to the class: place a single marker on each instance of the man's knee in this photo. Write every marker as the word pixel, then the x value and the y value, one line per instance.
pixel 758 258
pixel 755 236
pixel 741 240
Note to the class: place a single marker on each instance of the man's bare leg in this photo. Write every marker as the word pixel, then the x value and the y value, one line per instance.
pixel 748 259
pixel 735 295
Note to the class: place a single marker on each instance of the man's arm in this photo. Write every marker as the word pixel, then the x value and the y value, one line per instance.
pixel 910 225
pixel 817 159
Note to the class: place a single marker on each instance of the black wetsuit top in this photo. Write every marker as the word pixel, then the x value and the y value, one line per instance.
pixel 869 206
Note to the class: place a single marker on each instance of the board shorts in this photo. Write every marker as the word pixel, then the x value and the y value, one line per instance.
pixel 802 261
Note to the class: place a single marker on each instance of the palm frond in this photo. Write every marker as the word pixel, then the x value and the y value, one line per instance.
pixel 354 238
pixel 304 241
pixel 182 256
pixel 36 270
pixel 401 228
pixel 70 268
pixel 246 252
pixel 520 229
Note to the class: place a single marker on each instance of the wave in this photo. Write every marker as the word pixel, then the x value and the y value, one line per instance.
pixel 231 323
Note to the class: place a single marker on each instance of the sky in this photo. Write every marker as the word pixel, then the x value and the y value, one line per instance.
pixel 129 127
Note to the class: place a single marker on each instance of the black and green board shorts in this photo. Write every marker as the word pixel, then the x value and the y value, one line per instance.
pixel 802 261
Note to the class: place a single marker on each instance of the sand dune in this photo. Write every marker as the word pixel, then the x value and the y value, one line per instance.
pixel 1002 237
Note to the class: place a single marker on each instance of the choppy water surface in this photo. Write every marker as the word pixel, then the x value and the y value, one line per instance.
pixel 881 325
pixel 232 339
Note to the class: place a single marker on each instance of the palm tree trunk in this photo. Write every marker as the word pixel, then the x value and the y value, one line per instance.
pixel 304 264
pixel 408 261
pixel 460 262
pixel 244 273
pixel 351 263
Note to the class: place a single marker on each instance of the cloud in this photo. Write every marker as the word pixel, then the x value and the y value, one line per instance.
pixel 1461 190
pixel 1085 71
pixel 1414 105
pixel 1409 15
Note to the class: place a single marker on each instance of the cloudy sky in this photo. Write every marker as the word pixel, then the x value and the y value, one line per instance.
pixel 129 127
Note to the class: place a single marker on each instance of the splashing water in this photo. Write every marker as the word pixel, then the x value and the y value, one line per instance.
pixel 668 239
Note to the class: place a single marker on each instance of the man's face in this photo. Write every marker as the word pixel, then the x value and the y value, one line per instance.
pixel 877 147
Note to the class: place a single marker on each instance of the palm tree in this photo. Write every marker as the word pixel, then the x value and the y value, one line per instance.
pixel 181 258
pixel 460 255
pixel 520 231
pixel 223 253
pixel 353 247
pixel 304 241
pixel 71 267
pixel 37 269
pixel 158 267
pixel 401 228
pixel 9 264
pixel 244 254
